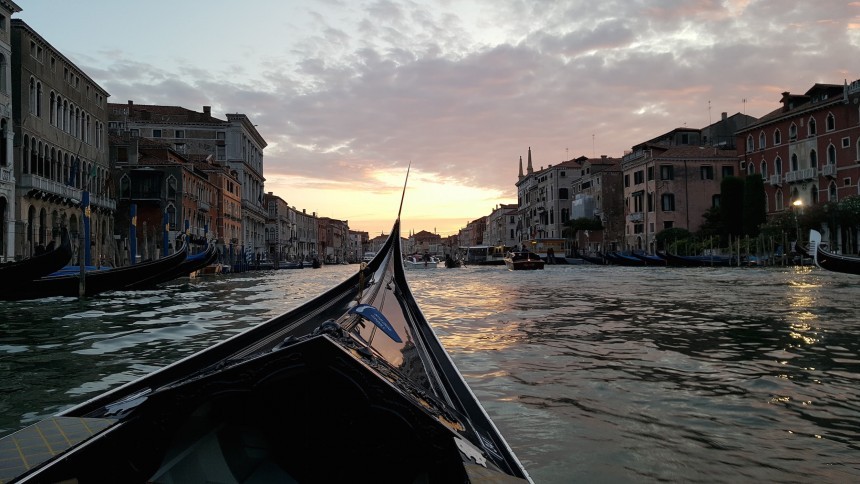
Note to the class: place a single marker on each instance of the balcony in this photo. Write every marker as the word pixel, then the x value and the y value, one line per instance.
pixel 776 180
pixel 797 176
pixel 62 191
pixel 636 217
pixel 5 174
pixel 829 170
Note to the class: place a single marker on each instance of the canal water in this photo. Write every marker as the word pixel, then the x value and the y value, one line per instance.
pixel 592 373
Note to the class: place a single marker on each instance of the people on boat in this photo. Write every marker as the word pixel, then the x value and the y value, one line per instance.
pixel 426 258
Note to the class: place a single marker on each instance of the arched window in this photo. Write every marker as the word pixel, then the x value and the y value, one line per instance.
pixel 794 164
pixel 125 187
pixel 52 108
pixel 831 155
pixel 171 188
pixel 777 136
pixel 750 144
pixel 810 127
pixel 831 192
pixel 763 169
pixel 761 141
pixel 4 84
pixel 814 194
pixel 813 159
pixel 32 107
pixel 171 217
pixel 777 166
pixel 792 132
pixel 38 99
pixel 750 168
pixel 4 125
pixel 831 122
pixel 777 201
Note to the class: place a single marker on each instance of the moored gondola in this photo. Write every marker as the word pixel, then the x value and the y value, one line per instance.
pixel 351 386
pixel 829 260
pixel 191 263
pixel 54 258
pixel 96 282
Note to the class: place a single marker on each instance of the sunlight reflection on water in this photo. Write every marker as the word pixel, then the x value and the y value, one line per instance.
pixel 598 374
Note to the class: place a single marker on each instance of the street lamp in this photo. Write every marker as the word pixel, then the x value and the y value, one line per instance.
pixel 798 207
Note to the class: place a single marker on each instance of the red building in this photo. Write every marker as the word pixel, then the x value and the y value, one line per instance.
pixel 808 149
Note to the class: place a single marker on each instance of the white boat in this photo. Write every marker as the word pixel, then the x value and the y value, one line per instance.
pixel 418 262
pixel 368 256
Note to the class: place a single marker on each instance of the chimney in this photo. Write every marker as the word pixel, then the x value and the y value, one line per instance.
pixel 725 115
pixel 130 104
pixel 207 111
pixel 786 105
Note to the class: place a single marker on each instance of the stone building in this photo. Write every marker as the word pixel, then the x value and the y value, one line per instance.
pixel 501 229
pixel 598 194
pixel 333 240
pixel 234 142
pixel 543 198
pixel 61 150
pixel 7 172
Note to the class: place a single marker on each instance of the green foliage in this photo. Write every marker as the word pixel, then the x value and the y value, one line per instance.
pixel 673 235
pixel 754 205
pixel 731 205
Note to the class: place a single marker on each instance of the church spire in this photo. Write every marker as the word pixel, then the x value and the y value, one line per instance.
pixel 529 168
pixel 521 168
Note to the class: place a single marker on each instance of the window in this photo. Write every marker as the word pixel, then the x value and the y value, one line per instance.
pixel 124 187
pixel 810 128
pixel 777 166
pixel 180 133
pixel 831 192
pixel 813 159
pixel 792 132
pixel 667 201
pixel 562 193
pixel 171 188
pixel 777 137
pixel 715 200
pixel 846 142
pixel 777 199
pixel 830 122
pixel 668 224
pixel 650 173
pixel 707 172
pixel 794 164
pixel 651 201
pixel 667 172
pixel 750 168
pixel 638 177
pixel 750 146
pixel 761 142
pixel 728 171
pixel 763 169
pixel 156 133
pixel 831 155
pixel 627 177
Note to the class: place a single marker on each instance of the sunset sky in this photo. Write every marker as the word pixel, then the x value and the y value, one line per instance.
pixel 348 92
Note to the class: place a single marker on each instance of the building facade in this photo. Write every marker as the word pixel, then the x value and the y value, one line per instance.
pixel 543 198
pixel 60 151
pixel 7 135
pixel 808 149
pixel 598 194
pixel 234 142
pixel 501 229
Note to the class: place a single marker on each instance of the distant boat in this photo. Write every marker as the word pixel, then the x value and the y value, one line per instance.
pixel 418 262
pixel 15 273
pixel 829 260
pixel 523 261
pixel 696 260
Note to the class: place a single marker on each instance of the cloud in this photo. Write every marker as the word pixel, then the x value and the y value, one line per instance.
pixel 344 90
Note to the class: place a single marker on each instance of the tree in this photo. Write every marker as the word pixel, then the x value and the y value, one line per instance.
pixel 754 205
pixel 664 237
pixel 731 205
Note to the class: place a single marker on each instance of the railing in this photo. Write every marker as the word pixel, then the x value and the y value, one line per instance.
pixel 636 217
pixel 807 174
pixel 31 181
pixel 829 170
pixel 776 180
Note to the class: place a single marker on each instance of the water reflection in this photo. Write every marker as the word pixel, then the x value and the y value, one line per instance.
pixel 597 374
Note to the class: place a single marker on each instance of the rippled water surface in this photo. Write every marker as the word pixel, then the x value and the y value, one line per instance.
pixel 592 373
